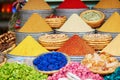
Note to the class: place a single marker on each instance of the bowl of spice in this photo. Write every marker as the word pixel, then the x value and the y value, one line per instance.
pixel 54 21
pixel 98 41
pixel 93 18
pixel 50 62
pixel 53 41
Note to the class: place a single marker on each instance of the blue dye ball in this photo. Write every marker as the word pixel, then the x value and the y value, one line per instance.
pixel 50 61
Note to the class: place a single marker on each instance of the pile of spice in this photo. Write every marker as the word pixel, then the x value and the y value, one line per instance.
pixel 112 24
pixel 28 47
pixel 72 4
pixel 108 4
pixel 113 47
pixel 36 5
pixel 15 71
pixel 50 61
pixel 75 24
pixel 114 76
pixel 76 46
pixel 35 23
pixel 75 71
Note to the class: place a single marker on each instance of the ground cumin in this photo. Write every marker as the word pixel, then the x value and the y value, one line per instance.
pixel 35 23
pixel 112 24
pixel 76 46
pixel 108 4
pixel 36 5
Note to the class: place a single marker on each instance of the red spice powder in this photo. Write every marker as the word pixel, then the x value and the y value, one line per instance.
pixel 76 46
pixel 72 4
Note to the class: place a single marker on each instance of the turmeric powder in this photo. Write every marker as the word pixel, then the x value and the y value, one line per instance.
pixel 112 24
pixel 35 24
pixel 108 4
pixel 28 47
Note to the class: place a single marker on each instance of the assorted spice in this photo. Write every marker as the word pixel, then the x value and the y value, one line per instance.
pixel 75 24
pixel 28 47
pixel 72 4
pixel 76 46
pixel 112 24
pixel 35 23
pixel 36 5
pixel 108 4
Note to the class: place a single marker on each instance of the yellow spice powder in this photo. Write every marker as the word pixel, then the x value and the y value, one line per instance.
pixel 36 5
pixel 35 23
pixel 28 47
pixel 108 4
pixel 112 24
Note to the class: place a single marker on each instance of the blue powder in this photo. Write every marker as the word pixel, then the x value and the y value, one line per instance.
pixel 50 61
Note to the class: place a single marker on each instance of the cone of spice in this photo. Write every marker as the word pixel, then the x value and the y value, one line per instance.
pixel 36 5
pixel 108 7
pixel 28 47
pixel 72 4
pixel 35 23
pixel 112 24
pixel 108 4
pixel 75 24
pixel 76 46
pixel 113 47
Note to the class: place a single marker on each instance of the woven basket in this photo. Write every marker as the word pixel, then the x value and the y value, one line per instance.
pixel 52 45
pixel 56 22
pixel 96 23
pixel 9 49
pixel 98 45
pixel 51 42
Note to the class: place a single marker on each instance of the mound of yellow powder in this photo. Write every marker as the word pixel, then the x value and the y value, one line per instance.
pixel 28 47
pixel 75 24
pixel 36 5
pixel 112 24
pixel 35 23
pixel 108 4
pixel 113 47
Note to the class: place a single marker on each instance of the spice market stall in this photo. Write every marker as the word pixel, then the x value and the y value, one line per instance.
pixel 73 51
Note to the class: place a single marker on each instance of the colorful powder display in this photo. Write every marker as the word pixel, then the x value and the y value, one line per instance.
pixel 72 4
pixel 76 46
